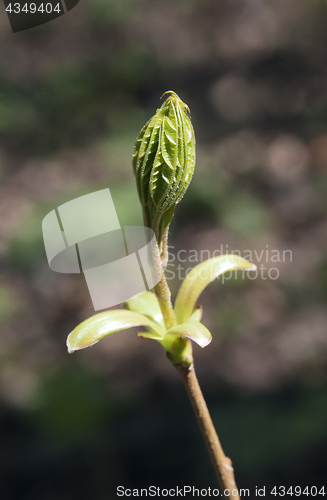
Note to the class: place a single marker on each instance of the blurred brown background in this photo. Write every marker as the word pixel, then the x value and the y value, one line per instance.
pixel 74 94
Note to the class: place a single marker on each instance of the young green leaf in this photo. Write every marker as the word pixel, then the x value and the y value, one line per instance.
pixel 148 305
pixel 98 326
pixel 200 276
pixel 149 335
pixel 193 330
pixel 196 314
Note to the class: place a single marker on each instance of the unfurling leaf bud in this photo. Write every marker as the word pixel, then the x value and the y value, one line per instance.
pixel 163 162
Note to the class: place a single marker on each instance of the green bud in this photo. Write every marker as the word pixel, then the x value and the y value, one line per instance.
pixel 163 162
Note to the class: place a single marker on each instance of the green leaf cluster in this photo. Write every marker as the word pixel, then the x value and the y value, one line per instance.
pixel 144 310
pixel 163 163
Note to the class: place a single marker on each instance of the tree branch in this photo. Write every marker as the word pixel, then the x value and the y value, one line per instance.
pixel 222 464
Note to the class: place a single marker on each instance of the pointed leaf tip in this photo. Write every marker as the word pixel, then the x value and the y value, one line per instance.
pixel 193 330
pixel 90 331
pixel 200 276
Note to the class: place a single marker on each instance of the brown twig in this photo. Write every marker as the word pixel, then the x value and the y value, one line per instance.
pixel 222 464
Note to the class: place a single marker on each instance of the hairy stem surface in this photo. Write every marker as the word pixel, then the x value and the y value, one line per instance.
pixel 163 293
pixel 222 464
